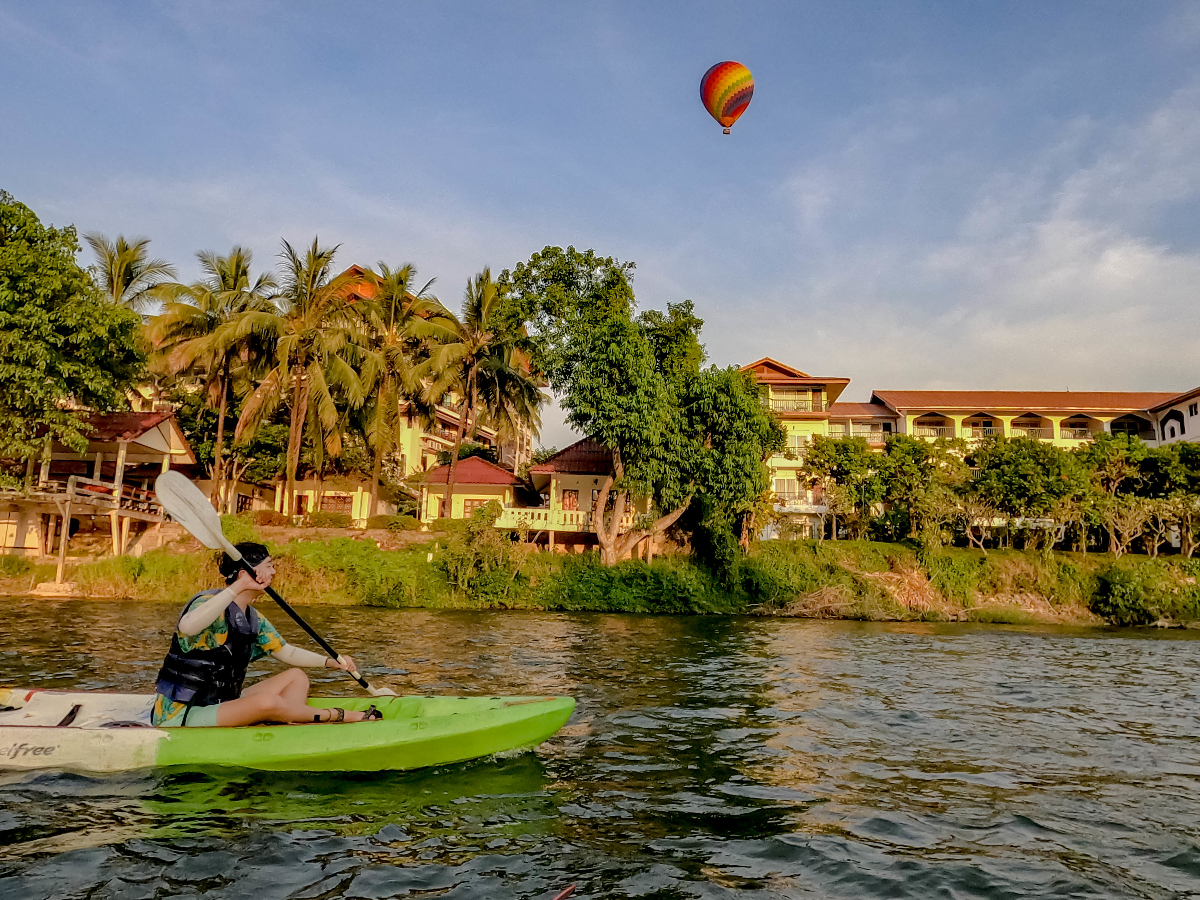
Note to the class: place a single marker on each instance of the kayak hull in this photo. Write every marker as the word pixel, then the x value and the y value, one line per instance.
pixel 415 732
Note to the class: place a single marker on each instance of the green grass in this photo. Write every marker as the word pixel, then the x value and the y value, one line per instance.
pixel 800 577
pixel 1003 615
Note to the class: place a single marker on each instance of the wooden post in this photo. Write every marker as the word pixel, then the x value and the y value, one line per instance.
pixel 118 484
pixel 98 467
pixel 45 534
pixel 28 476
pixel 66 533
pixel 125 520
pixel 44 474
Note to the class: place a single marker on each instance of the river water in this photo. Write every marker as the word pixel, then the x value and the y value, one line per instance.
pixel 708 758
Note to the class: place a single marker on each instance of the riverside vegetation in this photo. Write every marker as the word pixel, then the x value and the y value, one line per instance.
pixel 471 565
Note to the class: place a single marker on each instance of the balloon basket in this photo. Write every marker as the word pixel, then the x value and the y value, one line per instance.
pixel 724 131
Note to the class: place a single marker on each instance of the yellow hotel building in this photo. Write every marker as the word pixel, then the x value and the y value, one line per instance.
pixel 807 405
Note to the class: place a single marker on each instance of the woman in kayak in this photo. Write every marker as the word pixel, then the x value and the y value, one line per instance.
pixel 219 634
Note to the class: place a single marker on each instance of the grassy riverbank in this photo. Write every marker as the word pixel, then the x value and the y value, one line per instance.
pixel 479 569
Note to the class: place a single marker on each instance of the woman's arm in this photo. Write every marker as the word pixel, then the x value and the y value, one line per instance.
pixel 196 620
pixel 291 655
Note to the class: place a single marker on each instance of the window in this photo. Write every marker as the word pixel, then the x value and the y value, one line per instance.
pixel 595 497
pixel 337 503
pixel 1192 409
pixel 1172 431
pixel 302 505
pixel 244 502
pixel 797 440
pixel 473 503
pixel 570 500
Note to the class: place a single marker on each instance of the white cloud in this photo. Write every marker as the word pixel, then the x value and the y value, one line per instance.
pixel 1051 278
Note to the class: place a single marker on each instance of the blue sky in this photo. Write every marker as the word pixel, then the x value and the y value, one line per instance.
pixel 921 194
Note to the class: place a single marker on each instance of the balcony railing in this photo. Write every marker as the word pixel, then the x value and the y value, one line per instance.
pixel 796 405
pixel 934 431
pixel 1074 434
pixel 796 500
pixel 552 519
pixel 980 431
pixel 1039 433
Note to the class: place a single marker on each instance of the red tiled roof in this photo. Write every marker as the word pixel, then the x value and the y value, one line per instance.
pixel 1111 401
pixel 1178 398
pixel 473 470
pixel 586 457
pixel 111 427
pixel 772 371
pixel 861 410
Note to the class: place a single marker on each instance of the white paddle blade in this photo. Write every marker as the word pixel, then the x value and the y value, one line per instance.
pixel 187 505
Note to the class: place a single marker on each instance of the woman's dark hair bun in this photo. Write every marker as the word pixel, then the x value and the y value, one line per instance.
pixel 252 553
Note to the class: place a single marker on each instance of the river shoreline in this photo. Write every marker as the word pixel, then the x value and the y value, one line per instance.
pixel 857 580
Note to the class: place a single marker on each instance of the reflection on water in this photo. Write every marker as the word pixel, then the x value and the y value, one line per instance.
pixel 708 758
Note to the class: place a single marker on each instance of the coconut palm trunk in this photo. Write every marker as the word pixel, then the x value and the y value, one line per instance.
pixel 219 445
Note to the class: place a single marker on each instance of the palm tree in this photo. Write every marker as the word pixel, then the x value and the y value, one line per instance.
pixel 197 330
pixel 398 327
pixel 315 334
pixel 475 358
pixel 125 273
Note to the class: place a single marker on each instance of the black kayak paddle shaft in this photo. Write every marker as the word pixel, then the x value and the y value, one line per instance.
pixel 287 608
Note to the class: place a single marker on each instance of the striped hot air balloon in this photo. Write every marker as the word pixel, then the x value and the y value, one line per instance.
pixel 726 90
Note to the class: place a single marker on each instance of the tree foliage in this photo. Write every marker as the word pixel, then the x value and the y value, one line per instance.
pixel 61 344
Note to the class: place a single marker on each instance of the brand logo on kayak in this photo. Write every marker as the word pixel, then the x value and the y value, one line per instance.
pixel 29 750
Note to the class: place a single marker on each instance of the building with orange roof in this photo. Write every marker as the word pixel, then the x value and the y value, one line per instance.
pixel 808 406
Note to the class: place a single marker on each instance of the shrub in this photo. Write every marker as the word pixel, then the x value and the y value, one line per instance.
pixel 269 517
pixel 394 523
pixel 328 520
pixel 1140 592
pixel 1002 615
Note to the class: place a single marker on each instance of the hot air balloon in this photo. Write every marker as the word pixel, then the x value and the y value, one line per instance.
pixel 726 90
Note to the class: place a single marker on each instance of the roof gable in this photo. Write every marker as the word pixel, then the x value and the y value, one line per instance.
pixel 585 457
pixel 473 470
pixel 773 368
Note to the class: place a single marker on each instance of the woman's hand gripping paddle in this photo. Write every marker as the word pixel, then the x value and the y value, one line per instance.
pixel 187 505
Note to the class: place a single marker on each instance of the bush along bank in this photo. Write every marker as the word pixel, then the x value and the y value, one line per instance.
pixel 473 566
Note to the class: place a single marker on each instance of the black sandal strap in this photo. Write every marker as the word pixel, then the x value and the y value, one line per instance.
pixel 341 715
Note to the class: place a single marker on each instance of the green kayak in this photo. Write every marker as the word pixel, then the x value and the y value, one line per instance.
pixel 96 732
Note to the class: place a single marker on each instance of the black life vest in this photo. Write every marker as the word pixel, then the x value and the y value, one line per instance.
pixel 206 677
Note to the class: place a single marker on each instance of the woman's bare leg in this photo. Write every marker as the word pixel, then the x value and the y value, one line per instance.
pixel 280 698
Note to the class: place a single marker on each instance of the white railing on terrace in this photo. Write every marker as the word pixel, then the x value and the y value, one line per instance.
pixel 934 431
pixel 796 500
pixel 796 405
pixel 1033 432
pixel 1074 434
pixel 979 431
pixel 542 519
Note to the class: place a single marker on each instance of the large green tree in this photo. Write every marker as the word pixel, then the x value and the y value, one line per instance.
pixel 62 346
pixel 850 464
pixel 635 385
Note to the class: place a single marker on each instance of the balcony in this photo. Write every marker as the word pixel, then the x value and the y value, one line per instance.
pixel 1042 434
pixel 934 431
pixel 1075 434
pixel 796 501
pixel 982 431
pixel 542 519
pixel 796 405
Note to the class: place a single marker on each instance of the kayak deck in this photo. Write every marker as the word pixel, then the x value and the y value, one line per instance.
pixel 101 732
